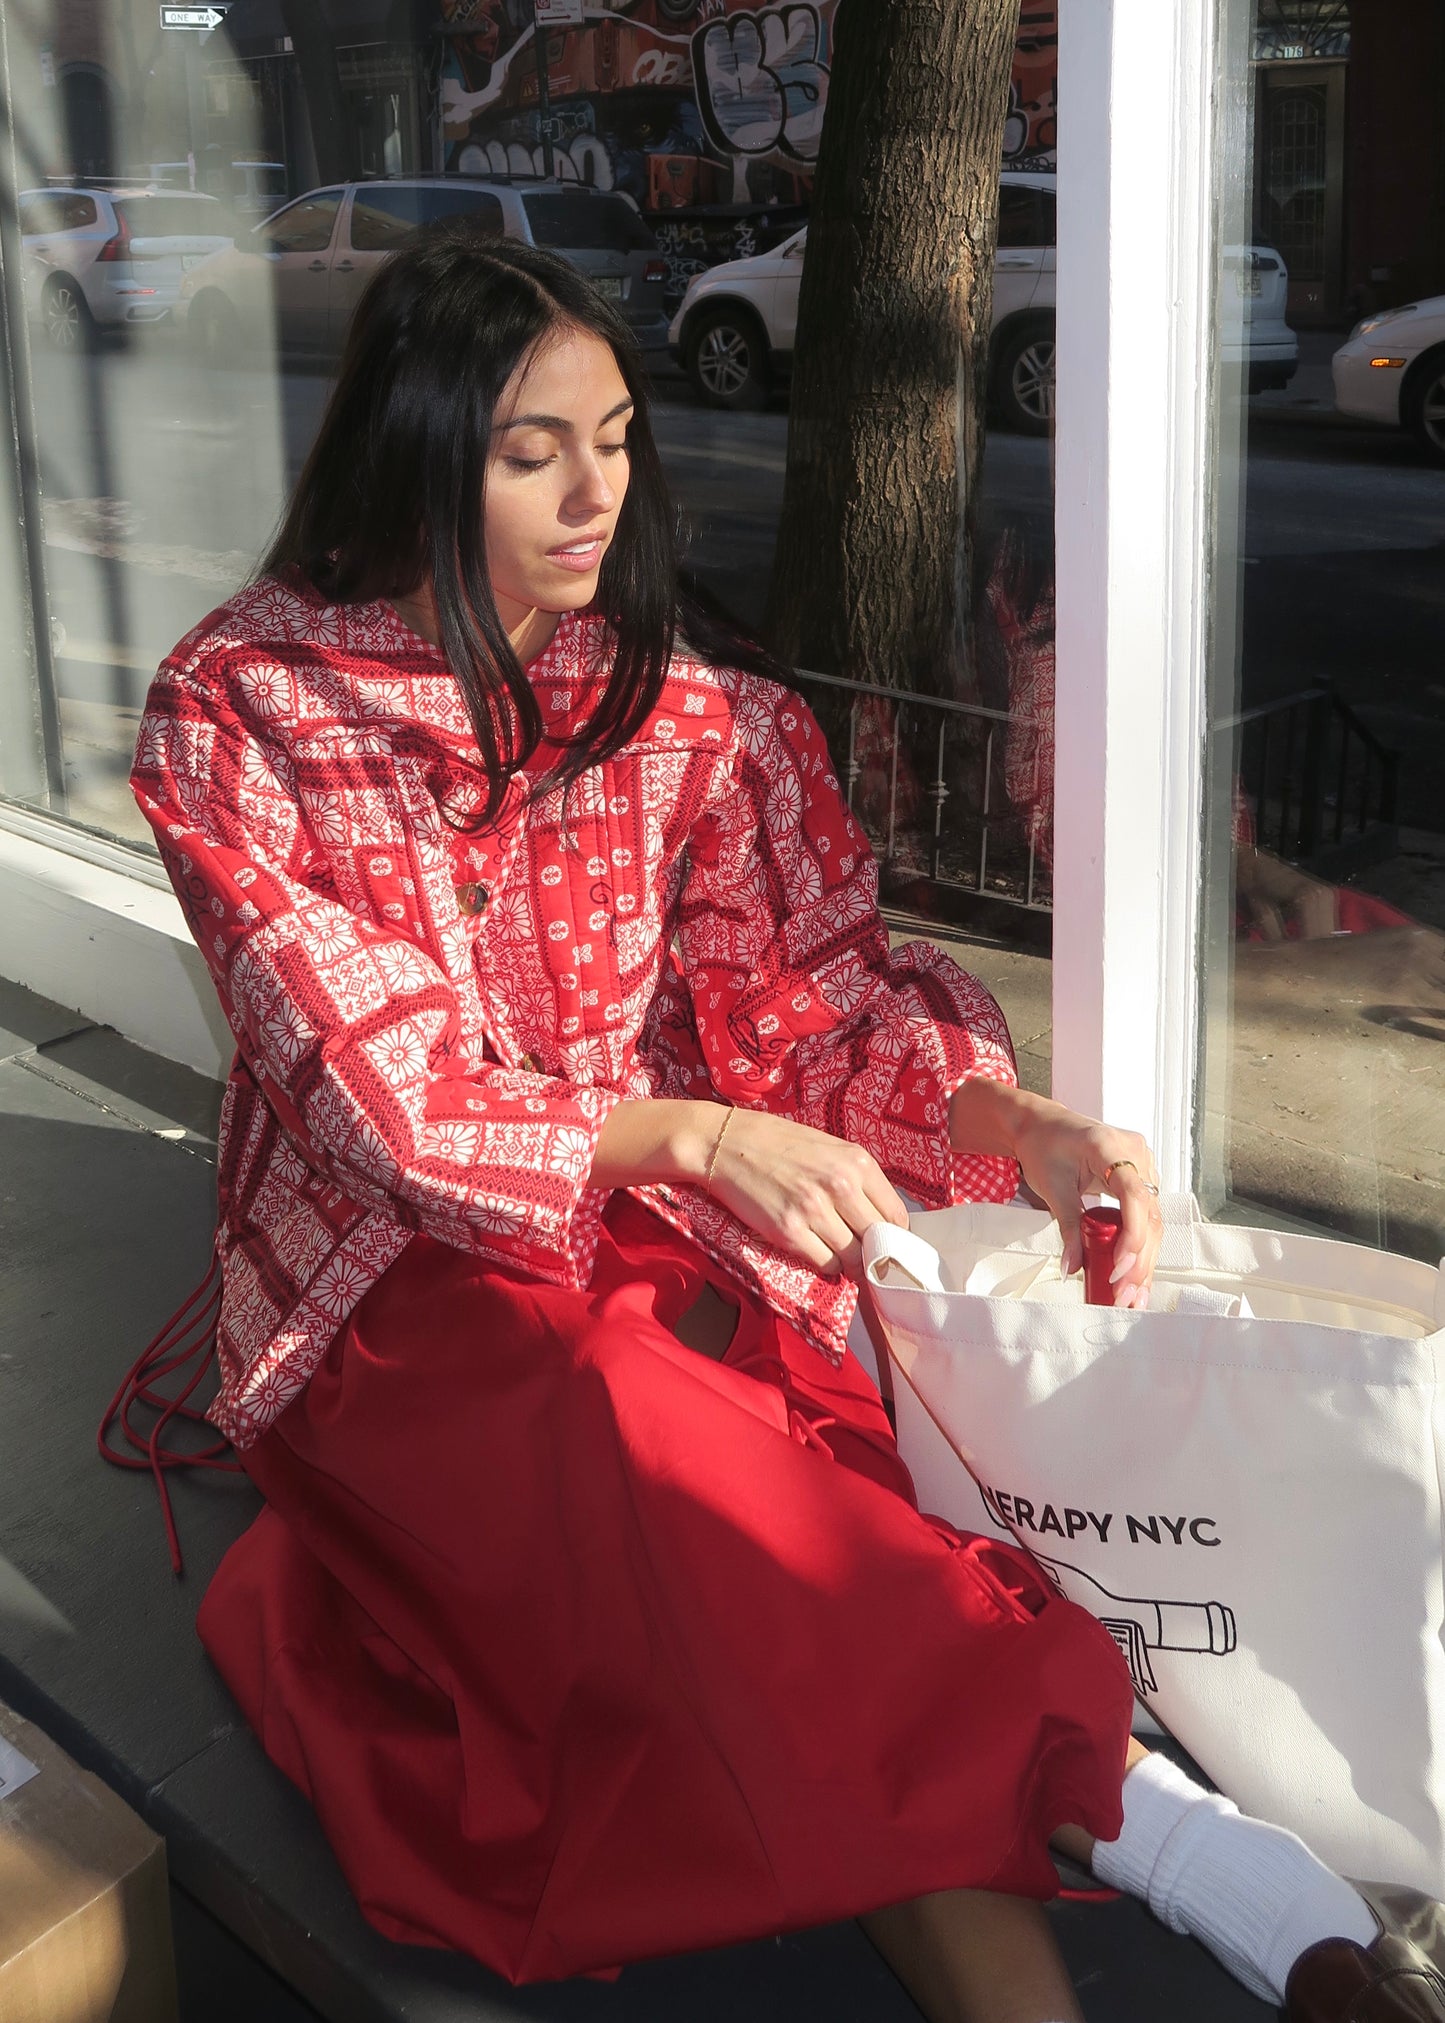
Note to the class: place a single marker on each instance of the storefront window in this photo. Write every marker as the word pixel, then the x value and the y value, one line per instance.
pixel 1324 971
pixel 196 210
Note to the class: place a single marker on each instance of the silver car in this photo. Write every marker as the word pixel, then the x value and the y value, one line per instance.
pixel 100 260
pixel 300 274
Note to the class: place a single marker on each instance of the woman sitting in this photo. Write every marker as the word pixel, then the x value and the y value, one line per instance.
pixel 591 1605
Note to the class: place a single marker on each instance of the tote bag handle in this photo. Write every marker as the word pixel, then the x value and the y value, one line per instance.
pixel 885 1245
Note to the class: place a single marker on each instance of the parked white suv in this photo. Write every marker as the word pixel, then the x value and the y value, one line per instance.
pixel 734 329
pixel 102 259
pixel 300 273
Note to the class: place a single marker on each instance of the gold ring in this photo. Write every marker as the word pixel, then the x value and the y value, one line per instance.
pixel 1115 1167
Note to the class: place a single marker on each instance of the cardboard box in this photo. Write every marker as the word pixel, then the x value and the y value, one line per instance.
pixel 85 1918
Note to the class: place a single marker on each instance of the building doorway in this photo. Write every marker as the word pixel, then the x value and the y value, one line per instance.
pixel 1299 160
pixel 89 120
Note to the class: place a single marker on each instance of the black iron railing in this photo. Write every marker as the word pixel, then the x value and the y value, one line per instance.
pixel 904 760
pixel 1317 779
pixel 930 779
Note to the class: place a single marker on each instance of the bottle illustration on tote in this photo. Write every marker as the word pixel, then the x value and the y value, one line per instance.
pixel 1139 1626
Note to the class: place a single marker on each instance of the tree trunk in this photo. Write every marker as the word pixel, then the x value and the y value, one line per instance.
pixel 874 556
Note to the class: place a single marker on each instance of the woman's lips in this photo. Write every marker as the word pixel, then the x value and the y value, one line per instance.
pixel 579 556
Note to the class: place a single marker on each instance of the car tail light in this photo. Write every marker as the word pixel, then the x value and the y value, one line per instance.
pixel 118 247
pixel 655 270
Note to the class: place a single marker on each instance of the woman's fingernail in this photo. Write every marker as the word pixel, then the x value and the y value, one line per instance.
pixel 1124 1298
pixel 1123 1265
pixel 1141 1299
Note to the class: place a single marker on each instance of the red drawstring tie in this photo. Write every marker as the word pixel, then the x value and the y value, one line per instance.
pixel 807 1432
pixel 168 1352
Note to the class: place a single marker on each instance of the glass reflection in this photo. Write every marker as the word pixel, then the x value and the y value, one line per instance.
pixel 197 210
pixel 1324 972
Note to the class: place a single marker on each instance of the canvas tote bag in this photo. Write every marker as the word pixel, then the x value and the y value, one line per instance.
pixel 1243 1483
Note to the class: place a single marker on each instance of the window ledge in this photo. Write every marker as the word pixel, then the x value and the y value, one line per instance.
pixel 96 928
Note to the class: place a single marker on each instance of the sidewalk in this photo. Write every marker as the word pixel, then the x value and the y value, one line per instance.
pixel 1336 1107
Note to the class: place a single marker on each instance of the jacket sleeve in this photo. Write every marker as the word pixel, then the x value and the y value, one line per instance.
pixel 800 1005
pixel 352 1030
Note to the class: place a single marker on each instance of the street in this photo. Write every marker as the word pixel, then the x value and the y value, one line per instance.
pixel 163 480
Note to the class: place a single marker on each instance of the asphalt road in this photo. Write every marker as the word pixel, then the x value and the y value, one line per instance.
pixel 163 479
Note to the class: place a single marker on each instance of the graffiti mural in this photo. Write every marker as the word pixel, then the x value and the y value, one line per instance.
pixel 1030 135
pixel 760 83
pixel 705 107
pixel 692 241
pixel 677 103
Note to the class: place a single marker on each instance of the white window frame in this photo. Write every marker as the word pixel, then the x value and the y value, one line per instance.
pixel 97 928
pixel 1135 517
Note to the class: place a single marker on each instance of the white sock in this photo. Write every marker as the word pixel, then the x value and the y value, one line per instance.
pixel 1252 1893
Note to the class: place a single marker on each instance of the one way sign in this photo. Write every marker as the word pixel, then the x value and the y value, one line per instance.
pixel 192 17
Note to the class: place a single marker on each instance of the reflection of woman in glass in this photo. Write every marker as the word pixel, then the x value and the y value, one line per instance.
pixel 591 1606
pixel 1020 601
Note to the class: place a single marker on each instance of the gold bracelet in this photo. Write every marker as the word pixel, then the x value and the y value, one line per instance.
pixel 712 1162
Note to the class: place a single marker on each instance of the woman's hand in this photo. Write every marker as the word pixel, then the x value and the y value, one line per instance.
pixel 1063 1157
pixel 798 1188
pixel 802 1190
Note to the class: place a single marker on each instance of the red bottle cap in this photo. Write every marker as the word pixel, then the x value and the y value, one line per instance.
pixel 1099 1228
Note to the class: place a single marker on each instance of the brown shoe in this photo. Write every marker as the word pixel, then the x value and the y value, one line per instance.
pixel 1395 1980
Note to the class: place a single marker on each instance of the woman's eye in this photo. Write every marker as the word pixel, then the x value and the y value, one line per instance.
pixel 613 449
pixel 528 463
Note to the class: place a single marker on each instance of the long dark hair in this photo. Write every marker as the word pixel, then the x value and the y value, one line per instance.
pixel 392 491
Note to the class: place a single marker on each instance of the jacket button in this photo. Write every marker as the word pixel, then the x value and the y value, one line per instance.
pixel 472 899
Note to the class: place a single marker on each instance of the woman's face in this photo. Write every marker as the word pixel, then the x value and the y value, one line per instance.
pixel 556 478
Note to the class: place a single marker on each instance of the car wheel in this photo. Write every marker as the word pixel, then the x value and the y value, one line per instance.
pixel 1422 404
pixel 65 316
pixel 215 330
pixel 728 360
pixel 1023 380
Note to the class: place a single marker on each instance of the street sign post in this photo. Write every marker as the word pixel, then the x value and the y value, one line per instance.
pixel 202 19
pixel 544 100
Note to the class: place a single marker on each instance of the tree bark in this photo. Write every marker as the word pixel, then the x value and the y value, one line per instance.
pixel 874 559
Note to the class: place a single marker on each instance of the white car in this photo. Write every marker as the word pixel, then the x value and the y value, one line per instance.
pixel 734 329
pixel 104 259
pixel 298 276
pixel 257 187
pixel 252 188
pixel 1391 368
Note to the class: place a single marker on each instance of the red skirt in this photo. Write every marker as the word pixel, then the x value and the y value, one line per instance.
pixel 586 1647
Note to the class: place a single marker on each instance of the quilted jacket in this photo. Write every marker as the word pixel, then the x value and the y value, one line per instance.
pixel 432 1025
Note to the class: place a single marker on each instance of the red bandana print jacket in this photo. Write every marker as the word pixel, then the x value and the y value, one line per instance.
pixel 432 1026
